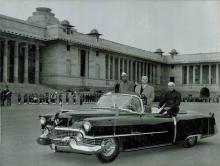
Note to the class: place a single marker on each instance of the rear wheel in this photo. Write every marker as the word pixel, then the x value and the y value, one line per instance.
pixel 110 150
pixel 190 142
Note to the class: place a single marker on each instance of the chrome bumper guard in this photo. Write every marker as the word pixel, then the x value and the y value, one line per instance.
pixel 75 146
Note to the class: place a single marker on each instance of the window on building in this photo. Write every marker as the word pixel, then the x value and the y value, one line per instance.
pixel 129 70
pixel 155 75
pixel 116 69
pixel 125 66
pixel 148 73
pixel 121 70
pixel 172 79
pixel 68 67
pixel 134 71
pixel 97 53
pixel 142 65
pixel 98 71
pixel 197 74
pixel 68 31
pixel 106 66
pixel 205 74
pixel 213 74
pixel 190 74
pixel 172 66
pixel 111 67
pixel 184 74
pixel 68 47
pixel 82 63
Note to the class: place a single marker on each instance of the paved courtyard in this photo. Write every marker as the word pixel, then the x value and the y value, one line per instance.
pixel 20 128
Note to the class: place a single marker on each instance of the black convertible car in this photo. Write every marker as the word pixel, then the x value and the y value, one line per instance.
pixel 119 123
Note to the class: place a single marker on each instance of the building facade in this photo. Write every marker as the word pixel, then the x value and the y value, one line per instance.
pixel 45 50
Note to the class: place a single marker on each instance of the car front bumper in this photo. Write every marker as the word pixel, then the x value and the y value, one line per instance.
pixel 71 145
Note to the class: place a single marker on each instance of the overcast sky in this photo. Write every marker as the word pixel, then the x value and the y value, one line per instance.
pixel 188 26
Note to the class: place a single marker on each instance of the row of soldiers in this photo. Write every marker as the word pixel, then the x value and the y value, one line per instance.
pixel 58 98
pixel 5 97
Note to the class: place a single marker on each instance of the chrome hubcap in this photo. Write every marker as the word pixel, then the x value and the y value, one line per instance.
pixel 108 146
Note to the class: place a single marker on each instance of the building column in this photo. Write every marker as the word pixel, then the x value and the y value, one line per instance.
pixel 5 61
pixel 87 64
pixel 113 68
pixel 158 74
pixel 194 74
pixel 128 72
pixel 136 73
pixel 109 62
pixel 37 53
pixel 26 63
pixel 123 65
pixel 131 70
pixel 210 74
pixel 217 74
pixel 1 66
pixel 201 74
pixel 187 75
pixel 147 71
pixel 119 66
pixel 151 75
pixel 16 61
pixel 139 71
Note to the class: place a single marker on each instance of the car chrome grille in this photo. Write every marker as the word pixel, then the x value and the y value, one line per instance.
pixel 63 133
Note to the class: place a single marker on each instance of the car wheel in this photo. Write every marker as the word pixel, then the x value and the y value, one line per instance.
pixel 110 150
pixel 190 142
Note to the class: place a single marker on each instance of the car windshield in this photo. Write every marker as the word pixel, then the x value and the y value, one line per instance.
pixel 126 102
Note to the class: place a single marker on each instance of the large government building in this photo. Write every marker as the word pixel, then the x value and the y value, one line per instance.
pixel 44 50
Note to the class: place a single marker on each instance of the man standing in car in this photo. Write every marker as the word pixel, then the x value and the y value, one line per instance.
pixel 170 101
pixel 146 92
pixel 124 86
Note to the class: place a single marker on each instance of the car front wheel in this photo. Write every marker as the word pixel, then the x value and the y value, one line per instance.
pixel 110 150
pixel 190 142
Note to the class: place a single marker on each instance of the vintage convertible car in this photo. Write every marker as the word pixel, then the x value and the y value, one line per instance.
pixel 119 123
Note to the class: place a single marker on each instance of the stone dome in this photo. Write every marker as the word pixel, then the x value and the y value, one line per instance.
pixel 159 51
pixel 173 52
pixel 66 23
pixel 94 32
pixel 43 17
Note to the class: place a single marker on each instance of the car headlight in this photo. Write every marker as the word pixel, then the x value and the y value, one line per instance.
pixel 42 120
pixel 87 126
pixel 79 137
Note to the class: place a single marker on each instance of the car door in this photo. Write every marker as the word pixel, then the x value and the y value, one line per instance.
pixel 157 129
pixel 148 129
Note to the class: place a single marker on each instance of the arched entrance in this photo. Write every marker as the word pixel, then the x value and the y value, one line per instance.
pixel 204 92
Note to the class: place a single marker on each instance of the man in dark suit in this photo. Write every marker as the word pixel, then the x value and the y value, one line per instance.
pixel 170 101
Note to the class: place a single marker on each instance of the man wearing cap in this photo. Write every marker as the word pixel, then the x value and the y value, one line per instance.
pixel 124 86
pixel 170 101
pixel 146 92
